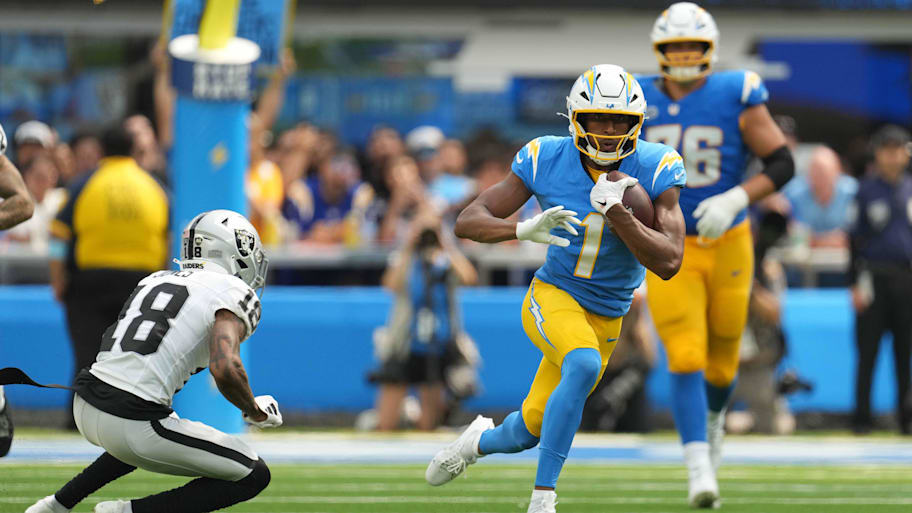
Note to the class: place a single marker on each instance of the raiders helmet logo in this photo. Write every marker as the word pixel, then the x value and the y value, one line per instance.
pixel 245 242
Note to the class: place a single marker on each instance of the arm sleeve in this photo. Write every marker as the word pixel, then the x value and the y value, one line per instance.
pixel 525 164
pixel 3 142
pixel 753 91
pixel 242 301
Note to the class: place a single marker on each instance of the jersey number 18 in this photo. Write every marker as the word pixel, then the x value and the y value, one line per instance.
pixel 154 320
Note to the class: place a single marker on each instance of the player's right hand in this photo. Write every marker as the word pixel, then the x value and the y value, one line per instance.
pixel 538 228
pixel 268 405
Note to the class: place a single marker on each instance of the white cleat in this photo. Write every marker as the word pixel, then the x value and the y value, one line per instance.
pixel 48 504
pixel 703 490
pixel 452 460
pixel 543 501
pixel 715 432
pixel 113 507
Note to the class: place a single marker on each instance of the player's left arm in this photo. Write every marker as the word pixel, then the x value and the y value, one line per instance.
pixel 660 249
pixel 765 140
pixel 17 205
pixel 716 213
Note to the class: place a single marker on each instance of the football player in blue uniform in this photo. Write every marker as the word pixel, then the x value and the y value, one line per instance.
pixel 716 121
pixel 572 311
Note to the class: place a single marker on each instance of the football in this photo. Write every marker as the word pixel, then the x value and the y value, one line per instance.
pixel 636 200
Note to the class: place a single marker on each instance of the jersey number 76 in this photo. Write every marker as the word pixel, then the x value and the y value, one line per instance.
pixel 698 145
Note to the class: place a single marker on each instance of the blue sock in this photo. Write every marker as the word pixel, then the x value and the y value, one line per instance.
pixel 717 397
pixel 688 406
pixel 564 411
pixel 509 437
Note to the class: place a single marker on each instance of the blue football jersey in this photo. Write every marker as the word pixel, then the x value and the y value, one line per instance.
pixel 704 127
pixel 597 269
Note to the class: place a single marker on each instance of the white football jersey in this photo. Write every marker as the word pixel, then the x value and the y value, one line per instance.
pixel 162 335
pixel 2 141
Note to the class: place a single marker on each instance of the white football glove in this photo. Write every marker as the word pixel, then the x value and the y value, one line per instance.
pixel 716 213
pixel 606 194
pixel 270 407
pixel 538 228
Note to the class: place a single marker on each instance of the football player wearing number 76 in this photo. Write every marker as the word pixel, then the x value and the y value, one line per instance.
pixel 174 325
pixel 598 249
pixel 716 120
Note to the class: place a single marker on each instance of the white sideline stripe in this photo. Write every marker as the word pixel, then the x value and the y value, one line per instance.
pixel 343 448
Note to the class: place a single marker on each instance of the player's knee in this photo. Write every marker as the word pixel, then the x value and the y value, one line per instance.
pixel 686 361
pixel 520 434
pixel 721 376
pixel 258 478
pixel 584 364
pixel 532 419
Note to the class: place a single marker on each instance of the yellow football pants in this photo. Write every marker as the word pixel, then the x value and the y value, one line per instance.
pixel 557 324
pixel 701 311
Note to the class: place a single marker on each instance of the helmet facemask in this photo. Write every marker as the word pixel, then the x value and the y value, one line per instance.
pixel 685 66
pixel 626 143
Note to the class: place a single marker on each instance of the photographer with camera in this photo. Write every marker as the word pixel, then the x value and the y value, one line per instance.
pixel 424 340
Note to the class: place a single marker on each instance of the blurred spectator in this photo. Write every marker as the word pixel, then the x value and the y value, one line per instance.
pixel 881 271
pixel 264 186
pixel 65 161
pixel 295 152
pixel 111 232
pixel 87 152
pixel 146 150
pixel 407 196
pixel 383 145
pixel 821 198
pixel 41 179
pixel 619 402
pixel 32 138
pixel 416 346
pixel 319 208
pixel 763 343
pixel 451 187
pixel 423 144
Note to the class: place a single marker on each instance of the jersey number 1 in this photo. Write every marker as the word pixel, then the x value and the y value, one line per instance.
pixel 699 146
pixel 592 241
pixel 155 322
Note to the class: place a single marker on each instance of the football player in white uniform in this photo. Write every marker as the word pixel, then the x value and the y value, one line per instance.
pixel 16 207
pixel 175 324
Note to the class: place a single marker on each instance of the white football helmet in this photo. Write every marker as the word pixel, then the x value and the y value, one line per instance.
pixel 605 89
pixel 685 22
pixel 223 240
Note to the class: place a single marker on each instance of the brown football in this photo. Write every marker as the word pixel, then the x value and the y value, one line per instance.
pixel 636 200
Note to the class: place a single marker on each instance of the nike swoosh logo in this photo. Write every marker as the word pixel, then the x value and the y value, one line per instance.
pixel 602 203
pixel 736 273
pixel 679 174
pixel 519 159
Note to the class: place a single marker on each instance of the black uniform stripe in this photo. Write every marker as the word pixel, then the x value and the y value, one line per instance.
pixel 204 445
pixel 191 232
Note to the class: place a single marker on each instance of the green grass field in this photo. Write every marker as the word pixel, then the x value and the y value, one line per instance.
pixel 488 488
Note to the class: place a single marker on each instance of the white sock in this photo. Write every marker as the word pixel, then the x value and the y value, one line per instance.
pixel 128 508
pixel 2 398
pixel 713 417
pixel 696 454
pixel 56 506
pixel 536 493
